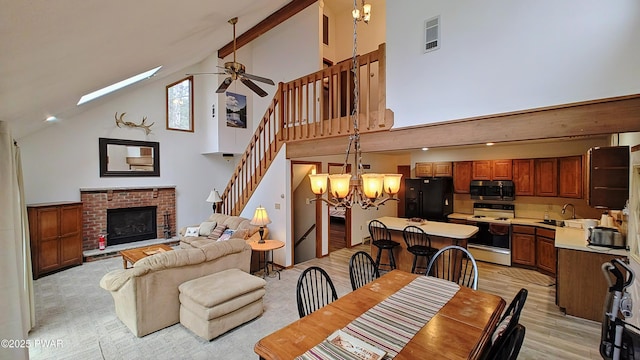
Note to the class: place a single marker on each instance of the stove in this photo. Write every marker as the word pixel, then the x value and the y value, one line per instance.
pixel 492 243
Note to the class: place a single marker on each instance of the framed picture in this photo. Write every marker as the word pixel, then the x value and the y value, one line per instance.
pixel 180 105
pixel 236 110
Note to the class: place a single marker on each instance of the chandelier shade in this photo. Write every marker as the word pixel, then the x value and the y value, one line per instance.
pixel 318 183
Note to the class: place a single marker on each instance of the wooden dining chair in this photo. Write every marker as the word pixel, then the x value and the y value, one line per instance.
pixel 454 263
pixel 314 290
pixel 381 239
pixel 418 244
pixel 362 269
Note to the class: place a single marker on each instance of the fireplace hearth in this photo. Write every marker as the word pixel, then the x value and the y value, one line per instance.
pixel 131 224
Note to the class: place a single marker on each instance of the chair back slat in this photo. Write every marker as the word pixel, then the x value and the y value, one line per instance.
pixel 415 236
pixel 362 269
pixel 314 290
pixel 454 263
pixel 378 231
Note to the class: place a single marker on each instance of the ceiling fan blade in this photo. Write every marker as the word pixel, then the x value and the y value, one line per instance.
pixel 251 85
pixel 258 78
pixel 225 84
pixel 205 73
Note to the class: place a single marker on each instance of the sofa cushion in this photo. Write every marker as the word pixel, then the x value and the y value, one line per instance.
pixel 240 234
pixel 170 259
pixel 207 227
pixel 219 288
pixel 233 222
pixel 218 249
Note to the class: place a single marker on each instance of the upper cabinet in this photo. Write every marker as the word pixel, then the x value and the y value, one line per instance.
pixel 431 169
pixel 546 177
pixel 492 170
pixel 523 177
pixel 570 177
pixel 462 176
pixel 608 177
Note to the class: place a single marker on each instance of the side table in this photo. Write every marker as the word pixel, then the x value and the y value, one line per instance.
pixel 267 247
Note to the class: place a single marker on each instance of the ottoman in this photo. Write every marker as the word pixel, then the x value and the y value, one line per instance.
pixel 213 304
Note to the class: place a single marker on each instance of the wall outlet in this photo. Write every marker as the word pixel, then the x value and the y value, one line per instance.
pixel 307 201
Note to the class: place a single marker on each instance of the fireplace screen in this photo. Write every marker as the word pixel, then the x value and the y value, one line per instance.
pixel 127 225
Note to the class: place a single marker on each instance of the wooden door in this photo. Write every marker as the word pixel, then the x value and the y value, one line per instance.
pixel 546 255
pixel 481 170
pixel 339 232
pixel 523 177
pixel 461 176
pixel 523 249
pixel 48 221
pixel 405 170
pixel 70 235
pixel 570 177
pixel 501 170
pixel 546 177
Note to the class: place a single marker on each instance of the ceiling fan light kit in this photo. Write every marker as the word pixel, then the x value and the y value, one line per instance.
pixel 237 71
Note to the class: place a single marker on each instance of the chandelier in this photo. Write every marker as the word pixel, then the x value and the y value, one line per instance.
pixel 366 190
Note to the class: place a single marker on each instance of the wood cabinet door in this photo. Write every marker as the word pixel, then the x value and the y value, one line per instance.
pixel 523 249
pixel 481 170
pixel 442 169
pixel 48 220
pixel 523 176
pixel 70 235
pixel 461 176
pixel 546 177
pixel 546 255
pixel 570 177
pixel 424 169
pixel 501 170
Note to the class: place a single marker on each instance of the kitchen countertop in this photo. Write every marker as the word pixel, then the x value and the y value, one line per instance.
pixel 435 228
pixel 566 237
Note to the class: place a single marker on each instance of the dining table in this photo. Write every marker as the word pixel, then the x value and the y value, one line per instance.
pixel 460 329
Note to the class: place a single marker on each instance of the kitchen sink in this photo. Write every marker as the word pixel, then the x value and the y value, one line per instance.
pixel 558 223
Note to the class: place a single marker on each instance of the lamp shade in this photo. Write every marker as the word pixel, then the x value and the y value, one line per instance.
pixel 260 217
pixel 318 183
pixel 372 185
pixel 392 183
pixel 214 197
pixel 340 185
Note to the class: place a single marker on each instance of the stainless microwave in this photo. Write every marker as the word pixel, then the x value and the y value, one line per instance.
pixel 492 190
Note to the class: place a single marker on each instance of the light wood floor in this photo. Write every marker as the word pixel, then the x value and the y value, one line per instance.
pixel 549 333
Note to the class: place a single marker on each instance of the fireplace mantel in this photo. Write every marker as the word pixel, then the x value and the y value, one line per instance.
pixel 118 188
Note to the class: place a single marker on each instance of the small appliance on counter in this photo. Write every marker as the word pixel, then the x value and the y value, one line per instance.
pixel 607 237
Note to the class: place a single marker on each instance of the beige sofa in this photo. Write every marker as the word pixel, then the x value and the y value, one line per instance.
pixel 231 222
pixel 146 296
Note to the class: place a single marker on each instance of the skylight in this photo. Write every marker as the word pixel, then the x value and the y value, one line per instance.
pixel 118 85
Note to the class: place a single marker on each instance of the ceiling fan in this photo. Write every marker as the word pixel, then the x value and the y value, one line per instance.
pixel 236 70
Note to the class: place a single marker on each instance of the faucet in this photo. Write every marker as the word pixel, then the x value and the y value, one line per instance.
pixel 564 208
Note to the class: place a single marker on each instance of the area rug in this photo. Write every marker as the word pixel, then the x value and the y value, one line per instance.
pixel 529 276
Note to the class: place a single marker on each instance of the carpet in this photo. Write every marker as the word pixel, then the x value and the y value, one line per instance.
pixel 529 276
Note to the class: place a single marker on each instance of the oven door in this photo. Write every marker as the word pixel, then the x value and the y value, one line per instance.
pixel 492 243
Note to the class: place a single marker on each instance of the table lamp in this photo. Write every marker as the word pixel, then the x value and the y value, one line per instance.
pixel 214 198
pixel 260 218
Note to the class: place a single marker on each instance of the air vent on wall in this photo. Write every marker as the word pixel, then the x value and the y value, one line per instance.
pixel 432 34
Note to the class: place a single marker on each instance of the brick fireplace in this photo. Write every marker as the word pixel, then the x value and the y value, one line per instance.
pixel 96 201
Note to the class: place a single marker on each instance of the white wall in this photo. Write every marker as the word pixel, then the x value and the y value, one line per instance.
pixel 499 55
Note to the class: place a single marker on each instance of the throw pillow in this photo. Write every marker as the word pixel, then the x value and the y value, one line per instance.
pixel 226 235
pixel 206 228
pixel 240 234
pixel 192 231
pixel 215 234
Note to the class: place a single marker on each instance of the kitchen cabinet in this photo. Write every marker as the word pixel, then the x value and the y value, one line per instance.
pixel 458 221
pixel 546 251
pixel 434 169
pixel 461 176
pixel 608 177
pixel 523 177
pixel 492 170
pixel 546 177
pixel 523 245
pixel 56 236
pixel 570 177
pixel 581 288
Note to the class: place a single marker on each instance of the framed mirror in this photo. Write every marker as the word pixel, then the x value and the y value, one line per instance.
pixel 180 105
pixel 129 158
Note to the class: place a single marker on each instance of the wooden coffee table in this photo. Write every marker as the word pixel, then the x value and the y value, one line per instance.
pixel 133 255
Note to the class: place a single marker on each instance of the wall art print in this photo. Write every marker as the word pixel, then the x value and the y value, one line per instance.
pixel 236 110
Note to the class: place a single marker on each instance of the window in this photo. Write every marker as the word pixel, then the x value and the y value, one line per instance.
pixel 180 105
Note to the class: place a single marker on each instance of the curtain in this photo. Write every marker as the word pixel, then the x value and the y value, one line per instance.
pixel 16 285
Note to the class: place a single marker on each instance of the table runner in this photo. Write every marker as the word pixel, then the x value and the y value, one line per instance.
pixel 393 322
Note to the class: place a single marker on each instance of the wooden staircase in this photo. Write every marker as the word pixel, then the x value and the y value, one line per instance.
pixel 312 107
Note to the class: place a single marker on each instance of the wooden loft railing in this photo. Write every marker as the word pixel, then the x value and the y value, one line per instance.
pixel 314 106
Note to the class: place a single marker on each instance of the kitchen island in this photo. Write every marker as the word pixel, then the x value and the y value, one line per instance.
pixel 442 234
pixel 580 285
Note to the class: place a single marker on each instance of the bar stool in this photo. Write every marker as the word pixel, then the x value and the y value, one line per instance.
pixel 419 244
pixel 381 238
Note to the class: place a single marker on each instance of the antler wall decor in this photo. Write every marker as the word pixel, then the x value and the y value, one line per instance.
pixel 119 121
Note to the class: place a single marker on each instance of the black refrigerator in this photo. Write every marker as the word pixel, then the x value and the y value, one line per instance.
pixel 429 198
